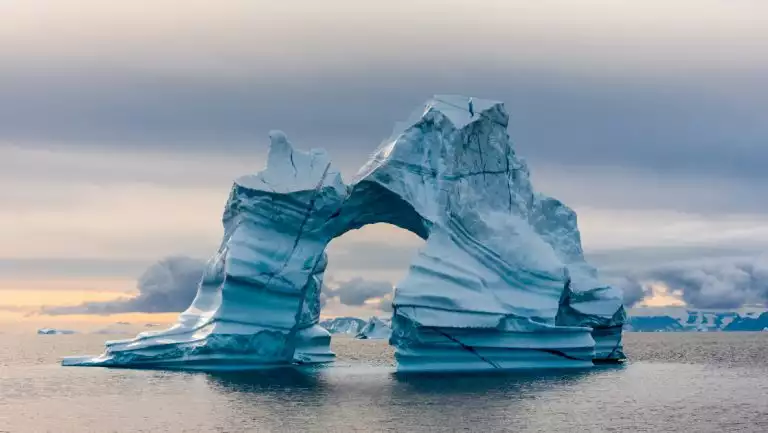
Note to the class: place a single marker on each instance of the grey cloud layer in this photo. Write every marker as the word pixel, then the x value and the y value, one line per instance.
pixel 170 285
pixel 69 268
pixel 665 95
pixel 702 277
pixel 634 290
pixel 718 284
pixel 613 106
pixel 358 290
pixel 681 149
pixel 167 286
pixel 566 121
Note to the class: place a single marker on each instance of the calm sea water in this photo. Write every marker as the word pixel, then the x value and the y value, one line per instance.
pixel 675 382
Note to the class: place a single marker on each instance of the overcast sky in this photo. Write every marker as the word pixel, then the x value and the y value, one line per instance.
pixel 122 124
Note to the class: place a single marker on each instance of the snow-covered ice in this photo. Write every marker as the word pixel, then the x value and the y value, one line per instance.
pixel 500 282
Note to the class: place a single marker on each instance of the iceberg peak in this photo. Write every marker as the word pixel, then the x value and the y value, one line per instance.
pixel 289 170
pixel 463 110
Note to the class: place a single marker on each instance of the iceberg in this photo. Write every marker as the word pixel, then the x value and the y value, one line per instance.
pixel 375 329
pixel 500 282
pixel 749 323
pixel 51 331
pixel 343 325
pixel 684 319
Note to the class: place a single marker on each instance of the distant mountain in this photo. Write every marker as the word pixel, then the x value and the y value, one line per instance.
pixel 344 325
pixel 653 324
pixel 749 324
pixel 681 319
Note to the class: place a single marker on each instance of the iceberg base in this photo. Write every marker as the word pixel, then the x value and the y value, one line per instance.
pixel 178 349
pixel 608 344
pixel 444 349
pixel 313 346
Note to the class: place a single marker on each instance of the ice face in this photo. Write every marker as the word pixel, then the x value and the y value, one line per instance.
pixel 586 301
pixel 495 282
pixel 500 283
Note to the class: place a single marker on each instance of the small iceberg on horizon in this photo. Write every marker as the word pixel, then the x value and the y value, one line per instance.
pixel 52 331
pixel 375 329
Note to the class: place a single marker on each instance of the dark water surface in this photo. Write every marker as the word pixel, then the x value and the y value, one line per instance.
pixel 675 382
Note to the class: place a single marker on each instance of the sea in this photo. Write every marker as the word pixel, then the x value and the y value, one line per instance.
pixel 673 382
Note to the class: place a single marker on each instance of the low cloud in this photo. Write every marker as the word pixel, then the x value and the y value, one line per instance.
pixel 634 290
pixel 170 285
pixel 17 309
pixel 167 286
pixel 357 291
pixel 727 283
pixel 385 303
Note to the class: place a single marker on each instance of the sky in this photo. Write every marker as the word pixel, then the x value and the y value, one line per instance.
pixel 123 124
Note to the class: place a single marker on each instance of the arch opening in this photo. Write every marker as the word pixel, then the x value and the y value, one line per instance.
pixel 364 267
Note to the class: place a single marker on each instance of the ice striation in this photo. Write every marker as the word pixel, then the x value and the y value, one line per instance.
pixel 500 282
pixel 375 329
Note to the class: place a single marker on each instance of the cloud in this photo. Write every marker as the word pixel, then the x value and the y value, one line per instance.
pixel 170 285
pixel 379 255
pixel 17 308
pixel 358 290
pixel 729 283
pixel 612 108
pixel 167 286
pixel 385 303
pixel 634 290
pixel 69 267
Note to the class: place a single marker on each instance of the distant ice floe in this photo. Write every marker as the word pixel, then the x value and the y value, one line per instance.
pixel 52 331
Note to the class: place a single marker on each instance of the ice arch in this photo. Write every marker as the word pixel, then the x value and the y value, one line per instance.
pixel 500 283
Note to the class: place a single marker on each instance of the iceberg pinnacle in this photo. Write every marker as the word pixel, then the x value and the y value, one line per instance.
pixel 500 282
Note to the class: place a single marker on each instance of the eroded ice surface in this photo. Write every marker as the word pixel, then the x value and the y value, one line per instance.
pixel 500 283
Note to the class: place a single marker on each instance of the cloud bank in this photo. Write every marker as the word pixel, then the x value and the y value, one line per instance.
pixel 170 286
pixel 716 284
pixel 167 286
pixel 719 279
pixel 357 291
